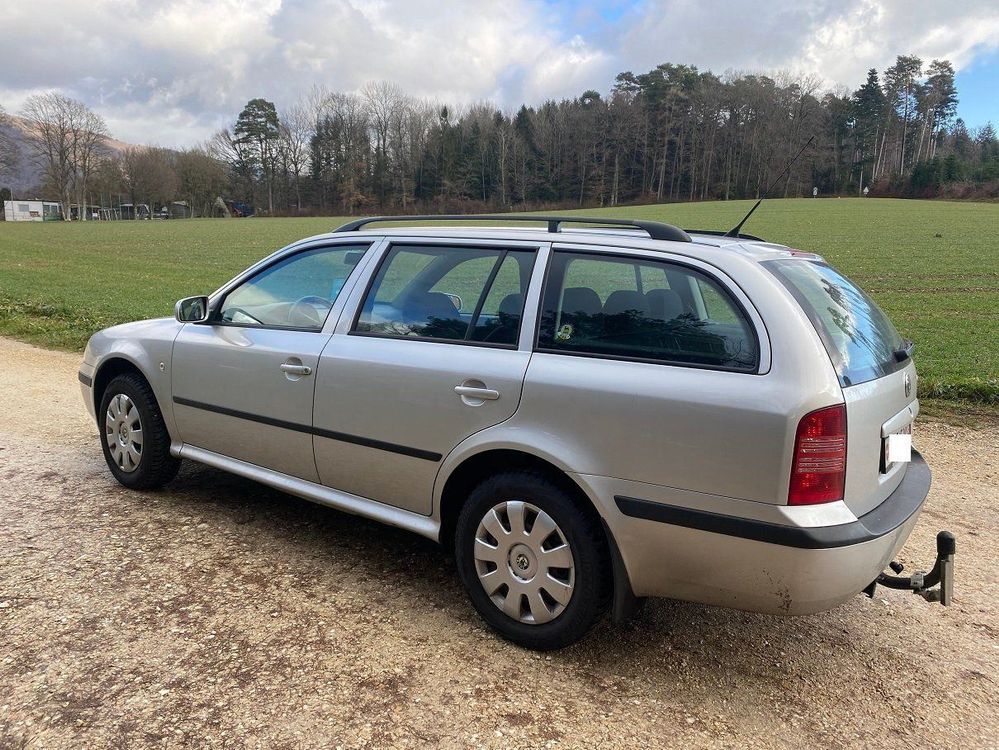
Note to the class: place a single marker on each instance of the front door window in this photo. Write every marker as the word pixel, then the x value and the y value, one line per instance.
pixel 296 292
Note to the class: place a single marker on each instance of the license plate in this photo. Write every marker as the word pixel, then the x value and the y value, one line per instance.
pixel 897 448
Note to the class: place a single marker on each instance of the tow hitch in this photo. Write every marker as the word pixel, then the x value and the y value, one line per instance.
pixel 924 583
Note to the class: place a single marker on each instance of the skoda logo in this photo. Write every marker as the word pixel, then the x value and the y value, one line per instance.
pixel 908 385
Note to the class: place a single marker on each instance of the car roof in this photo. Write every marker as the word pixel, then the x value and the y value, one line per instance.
pixel 709 247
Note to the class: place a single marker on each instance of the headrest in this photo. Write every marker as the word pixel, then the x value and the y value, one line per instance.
pixel 580 299
pixel 624 300
pixel 664 304
pixel 511 305
pixel 427 305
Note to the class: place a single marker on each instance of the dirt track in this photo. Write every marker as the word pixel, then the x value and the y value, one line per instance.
pixel 222 614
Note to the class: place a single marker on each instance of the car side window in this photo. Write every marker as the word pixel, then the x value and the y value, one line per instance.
pixel 296 292
pixel 643 309
pixel 448 294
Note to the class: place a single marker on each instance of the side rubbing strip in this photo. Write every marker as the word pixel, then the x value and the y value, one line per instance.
pixel 760 531
pixel 341 436
pixel 898 508
pixel 378 444
pixel 85 379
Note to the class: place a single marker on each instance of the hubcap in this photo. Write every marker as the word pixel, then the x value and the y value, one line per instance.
pixel 524 562
pixel 123 432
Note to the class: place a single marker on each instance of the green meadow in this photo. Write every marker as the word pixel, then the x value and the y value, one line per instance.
pixel 932 265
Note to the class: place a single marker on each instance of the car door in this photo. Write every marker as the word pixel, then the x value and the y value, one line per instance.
pixel 243 381
pixel 434 351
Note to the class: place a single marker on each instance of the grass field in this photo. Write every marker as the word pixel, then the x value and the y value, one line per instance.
pixel 932 265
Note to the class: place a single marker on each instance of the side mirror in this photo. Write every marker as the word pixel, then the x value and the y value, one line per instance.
pixel 191 310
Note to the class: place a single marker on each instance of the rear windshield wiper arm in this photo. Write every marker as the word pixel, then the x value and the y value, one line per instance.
pixel 905 352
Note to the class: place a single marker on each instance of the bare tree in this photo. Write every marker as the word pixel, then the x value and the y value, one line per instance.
pixel 384 102
pixel 201 179
pixel 67 140
pixel 88 148
pixel 51 141
pixel 8 149
pixel 340 150
pixel 296 128
pixel 231 151
pixel 148 175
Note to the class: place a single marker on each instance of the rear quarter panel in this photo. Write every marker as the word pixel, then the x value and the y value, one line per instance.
pixel 720 433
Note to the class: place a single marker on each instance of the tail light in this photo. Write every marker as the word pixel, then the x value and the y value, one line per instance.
pixel 818 472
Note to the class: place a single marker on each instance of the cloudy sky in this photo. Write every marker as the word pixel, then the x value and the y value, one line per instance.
pixel 173 71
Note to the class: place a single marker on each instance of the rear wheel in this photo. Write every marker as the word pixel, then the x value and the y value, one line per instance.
pixel 134 437
pixel 535 565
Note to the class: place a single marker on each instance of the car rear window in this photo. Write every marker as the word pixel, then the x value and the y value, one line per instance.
pixel 648 310
pixel 858 336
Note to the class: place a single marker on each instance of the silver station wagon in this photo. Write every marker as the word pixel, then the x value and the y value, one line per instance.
pixel 586 415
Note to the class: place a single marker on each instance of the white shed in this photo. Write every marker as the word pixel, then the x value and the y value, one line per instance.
pixel 25 210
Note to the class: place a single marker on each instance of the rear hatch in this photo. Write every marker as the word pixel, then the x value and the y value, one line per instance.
pixel 874 367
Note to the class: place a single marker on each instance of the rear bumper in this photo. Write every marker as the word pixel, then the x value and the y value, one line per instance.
pixel 707 557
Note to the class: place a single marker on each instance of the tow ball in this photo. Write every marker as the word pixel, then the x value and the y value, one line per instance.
pixel 922 583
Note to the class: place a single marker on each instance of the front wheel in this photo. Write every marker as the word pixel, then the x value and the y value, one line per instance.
pixel 533 562
pixel 134 437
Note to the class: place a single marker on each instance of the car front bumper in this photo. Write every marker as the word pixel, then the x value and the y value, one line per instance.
pixel 86 378
pixel 761 566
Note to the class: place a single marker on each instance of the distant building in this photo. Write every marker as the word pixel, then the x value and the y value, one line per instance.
pixel 22 210
pixel 174 210
pixel 129 211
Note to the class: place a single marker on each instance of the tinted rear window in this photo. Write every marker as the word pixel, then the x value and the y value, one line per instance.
pixel 643 309
pixel 860 339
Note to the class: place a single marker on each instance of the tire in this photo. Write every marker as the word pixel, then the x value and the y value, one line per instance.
pixel 141 463
pixel 530 606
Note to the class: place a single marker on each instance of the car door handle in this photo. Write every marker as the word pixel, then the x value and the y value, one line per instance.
pixel 467 391
pixel 296 369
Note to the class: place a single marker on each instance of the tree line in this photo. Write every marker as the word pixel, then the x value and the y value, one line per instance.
pixel 673 133
pixel 70 146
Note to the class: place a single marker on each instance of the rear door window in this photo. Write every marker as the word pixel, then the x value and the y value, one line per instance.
pixel 858 336
pixel 637 308
pixel 444 293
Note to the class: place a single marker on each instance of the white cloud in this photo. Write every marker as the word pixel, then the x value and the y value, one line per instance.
pixel 173 71
pixel 838 40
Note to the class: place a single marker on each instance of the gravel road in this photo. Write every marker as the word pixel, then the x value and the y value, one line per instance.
pixel 219 613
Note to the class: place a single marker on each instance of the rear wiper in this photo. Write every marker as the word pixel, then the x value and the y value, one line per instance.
pixel 905 352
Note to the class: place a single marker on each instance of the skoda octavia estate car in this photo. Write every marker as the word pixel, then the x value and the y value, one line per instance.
pixel 585 416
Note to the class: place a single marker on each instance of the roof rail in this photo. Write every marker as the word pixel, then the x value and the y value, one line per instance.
pixel 655 229
pixel 717 233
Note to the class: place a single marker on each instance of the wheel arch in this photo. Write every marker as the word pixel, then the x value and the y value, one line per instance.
pixel 110 368
pixel 473 469
pixel 157 464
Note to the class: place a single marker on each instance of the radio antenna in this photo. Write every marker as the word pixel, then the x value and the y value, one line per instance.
pixel 734 231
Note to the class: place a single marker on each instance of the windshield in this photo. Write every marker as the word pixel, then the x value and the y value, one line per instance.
pixel 860 339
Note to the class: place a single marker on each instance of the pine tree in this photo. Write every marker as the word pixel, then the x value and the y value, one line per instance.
pixel 257 134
